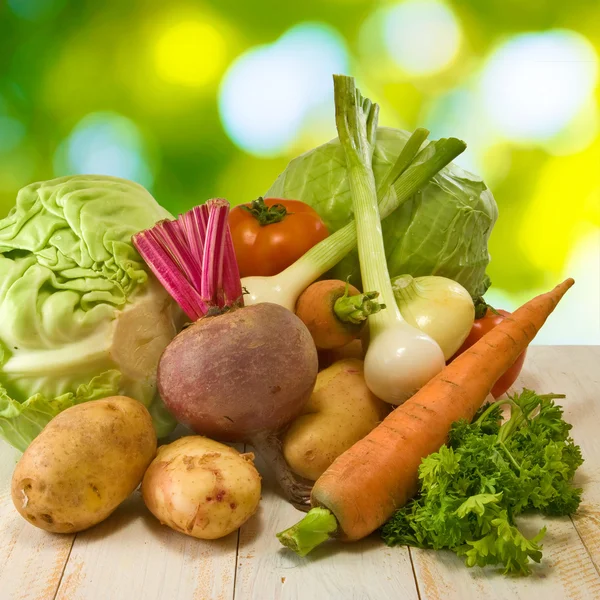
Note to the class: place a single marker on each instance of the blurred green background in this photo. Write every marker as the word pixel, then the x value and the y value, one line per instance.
pixel 213 98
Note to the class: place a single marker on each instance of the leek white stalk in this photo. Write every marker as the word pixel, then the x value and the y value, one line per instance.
pixel 438 306
pixel 400 358
pixel 412 170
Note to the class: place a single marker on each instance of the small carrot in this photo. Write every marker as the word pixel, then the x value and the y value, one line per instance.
pixel 379 474
pixel 335 312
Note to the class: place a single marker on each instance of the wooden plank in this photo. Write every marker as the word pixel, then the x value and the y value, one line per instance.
pixel 580 366
pixel 31 560
pixel 131 555
pixel 359 571
pixel 567 570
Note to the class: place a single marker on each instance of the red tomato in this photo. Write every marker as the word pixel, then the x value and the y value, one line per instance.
pixel 479 329
pixel 272 233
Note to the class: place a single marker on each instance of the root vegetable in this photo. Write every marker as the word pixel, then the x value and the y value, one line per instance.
pixel 240 374
pixel 201 488
pixel 438 306
pixel 341 411
pixel 335 312
pixel 83 464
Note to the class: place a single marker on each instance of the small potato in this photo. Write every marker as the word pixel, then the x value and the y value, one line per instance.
pixel 202 488
pixel 83 464
pixel 341 411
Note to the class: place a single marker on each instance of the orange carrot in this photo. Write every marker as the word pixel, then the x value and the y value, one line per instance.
pixel 335 312
pixel 379 474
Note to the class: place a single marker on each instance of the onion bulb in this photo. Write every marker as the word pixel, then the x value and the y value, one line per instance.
pixel 438 306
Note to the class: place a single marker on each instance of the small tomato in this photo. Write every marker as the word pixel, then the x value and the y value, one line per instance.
pixel 272 233
pixel 480 328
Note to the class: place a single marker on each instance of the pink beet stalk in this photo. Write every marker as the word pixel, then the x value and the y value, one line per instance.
pixel 166 271
pixel 194 259
pixel 193 225
pixel 171 238
pixel 212 259
pixel 232 283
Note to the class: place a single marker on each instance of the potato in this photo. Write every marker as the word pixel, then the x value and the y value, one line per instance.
pixel 201 487
pixel 341 411
pixel 83 464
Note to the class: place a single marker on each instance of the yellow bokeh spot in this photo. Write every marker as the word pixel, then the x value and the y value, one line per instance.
pixel 246 177
pixel 191 53
pixel 562 209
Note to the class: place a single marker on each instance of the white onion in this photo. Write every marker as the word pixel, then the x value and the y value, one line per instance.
pixel 438 306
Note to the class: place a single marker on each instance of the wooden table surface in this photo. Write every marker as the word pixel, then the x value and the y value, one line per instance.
pixel 132 557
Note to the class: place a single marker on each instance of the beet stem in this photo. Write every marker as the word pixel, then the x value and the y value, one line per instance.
pixel 172 238
pixel 232 282
pixel 193 226
pixel 165 269
pixel 194 259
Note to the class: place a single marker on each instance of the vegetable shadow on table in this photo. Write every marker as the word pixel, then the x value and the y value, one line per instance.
pixel 128 511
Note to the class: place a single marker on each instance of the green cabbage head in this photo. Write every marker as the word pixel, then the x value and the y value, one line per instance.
pixel 442 230
pixel 81 317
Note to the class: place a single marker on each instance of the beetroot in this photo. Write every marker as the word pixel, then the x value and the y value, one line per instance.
pixel 233 376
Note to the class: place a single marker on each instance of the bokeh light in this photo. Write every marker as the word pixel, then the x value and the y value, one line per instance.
pixel 204 99
pixel 17 166
pixel 269 91
pixel 579 321
pixel 574 180
pixel 456 114
pixel 190 53
pixel 578 135
pixel 534 84
pixel 36 10
pixel 105 144
pixel 248 177
pixel 12 133
pixel 422 36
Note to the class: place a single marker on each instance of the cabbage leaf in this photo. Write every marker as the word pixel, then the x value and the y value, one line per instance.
pixel 442 230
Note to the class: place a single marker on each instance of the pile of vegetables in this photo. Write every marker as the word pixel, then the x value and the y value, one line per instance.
pixel 237 373
pixel 405 177
pixel 364 486
pixel 336 325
